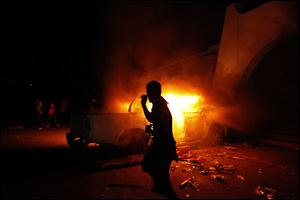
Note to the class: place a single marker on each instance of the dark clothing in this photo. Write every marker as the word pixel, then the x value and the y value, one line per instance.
pixel 162 151
pixel 164 145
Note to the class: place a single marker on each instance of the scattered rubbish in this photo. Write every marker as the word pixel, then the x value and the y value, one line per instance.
pixel 197 160
pixel 227 168
pixel 234 157
pixel 173 168
pixel 184 149
pixel 230 169
pixel 125 185
pixel 237 158
pixel 204 172
pixel 186 163
pixel 198 167
pixel 190 158
pixel 187 196
pixel 219 178
pixel 230 148
pixel 184 156
pixel 216 162
pixel 188 182
pixel 186 170
pixel 260 171
pixel 185 182
pixel 212 168
pixel 221 154
pixel 240 177
pixel 189 170
pixel 266 192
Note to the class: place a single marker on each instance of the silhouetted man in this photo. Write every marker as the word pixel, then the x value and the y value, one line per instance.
pixel 39 113
pixel 162 150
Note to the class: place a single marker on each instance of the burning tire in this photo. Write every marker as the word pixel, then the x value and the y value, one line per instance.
pixel 133 141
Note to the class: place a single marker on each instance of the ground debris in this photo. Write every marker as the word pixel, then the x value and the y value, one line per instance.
pixel 184 149
pixel 240 177
pixel 204 172
pixel 230 148
pixel 265 192
pixel 226 168
pixel 230 169
pixel 212 168
pixel 260 171
pixel 221 154
pixel 219 178
pixel 234 157
pixel 189 157
pixel 173 168
pixel 186 169
pixel 188 183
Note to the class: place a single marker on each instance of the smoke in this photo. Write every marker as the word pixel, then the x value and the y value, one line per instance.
pixel 161 41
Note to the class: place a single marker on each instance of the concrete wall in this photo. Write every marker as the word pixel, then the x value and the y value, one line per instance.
pixel 246 38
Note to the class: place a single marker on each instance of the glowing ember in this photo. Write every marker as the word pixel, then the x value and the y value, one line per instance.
pixel 180 104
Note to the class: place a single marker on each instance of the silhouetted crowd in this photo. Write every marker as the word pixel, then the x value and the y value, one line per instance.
pixel 51 114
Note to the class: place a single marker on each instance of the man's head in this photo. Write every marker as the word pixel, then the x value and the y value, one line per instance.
pixel 153 90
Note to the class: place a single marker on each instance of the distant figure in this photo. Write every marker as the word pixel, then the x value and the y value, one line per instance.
pixel 62 118
pixel 51 121
pixel 38 105
pixel 162 150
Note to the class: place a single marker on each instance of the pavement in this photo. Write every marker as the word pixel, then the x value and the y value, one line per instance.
pixel 232 170
pixel 39 164
pixel 281 138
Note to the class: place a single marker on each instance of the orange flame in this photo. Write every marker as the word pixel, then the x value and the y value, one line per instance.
pixel 180 104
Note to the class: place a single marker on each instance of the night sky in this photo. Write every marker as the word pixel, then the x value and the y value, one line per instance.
pixel 58 49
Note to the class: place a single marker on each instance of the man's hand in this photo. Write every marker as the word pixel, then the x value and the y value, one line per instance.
pixel 144 99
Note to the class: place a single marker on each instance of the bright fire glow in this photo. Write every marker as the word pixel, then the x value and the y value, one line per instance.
pixel 178 105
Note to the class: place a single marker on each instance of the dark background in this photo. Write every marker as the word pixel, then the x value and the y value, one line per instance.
pixel 54 48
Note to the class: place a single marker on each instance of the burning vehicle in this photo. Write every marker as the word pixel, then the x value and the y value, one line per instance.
pixel 194 122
